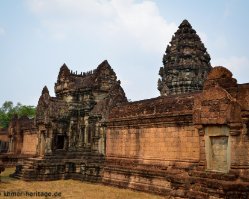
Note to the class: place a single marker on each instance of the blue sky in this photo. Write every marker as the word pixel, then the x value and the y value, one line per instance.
pixel 38 36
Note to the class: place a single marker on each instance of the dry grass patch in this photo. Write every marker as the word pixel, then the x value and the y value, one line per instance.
pixel 68 189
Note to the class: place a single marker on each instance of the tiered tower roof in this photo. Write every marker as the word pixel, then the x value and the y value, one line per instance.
pixel 186 63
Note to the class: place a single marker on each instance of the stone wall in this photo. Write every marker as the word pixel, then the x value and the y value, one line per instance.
pixel 4 135
pixel 151 143
pixel 30 141
pixel 4 140
pixel 160 145
pixel 187 146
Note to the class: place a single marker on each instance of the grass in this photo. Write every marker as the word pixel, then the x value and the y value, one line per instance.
pixel 68 189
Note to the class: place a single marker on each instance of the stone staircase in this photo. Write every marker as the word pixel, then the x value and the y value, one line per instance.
pixel 26 170
pixel 75 165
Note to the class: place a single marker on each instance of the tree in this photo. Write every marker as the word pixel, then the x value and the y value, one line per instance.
pixel 8 110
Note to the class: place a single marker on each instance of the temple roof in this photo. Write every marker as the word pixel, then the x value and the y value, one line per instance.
pixel 186 62
pixel 85 80
pixel 64 71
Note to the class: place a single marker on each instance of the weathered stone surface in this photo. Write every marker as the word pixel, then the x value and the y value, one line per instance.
pixel 190 145
pixel 22 136
pixel 195 144
pixel 186 63
pixel 1 167
pixel 71 126
pixel 4 140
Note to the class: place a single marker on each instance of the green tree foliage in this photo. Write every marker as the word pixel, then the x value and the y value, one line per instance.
pixel 8 110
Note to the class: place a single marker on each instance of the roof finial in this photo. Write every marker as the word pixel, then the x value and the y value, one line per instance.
pixel 45 90
pixel 185 23
pixel 64 71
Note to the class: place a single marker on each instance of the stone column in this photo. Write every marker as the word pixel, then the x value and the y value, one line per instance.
pixel 101 141
pixel 86 134
pixel 48 148
pixel 11 145
pixel 42 143
pixel 80 142
pixel 70 135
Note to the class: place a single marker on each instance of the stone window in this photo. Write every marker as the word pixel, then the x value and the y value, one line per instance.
pixel 217 147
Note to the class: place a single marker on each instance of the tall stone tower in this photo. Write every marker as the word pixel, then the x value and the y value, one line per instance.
pixel 186 63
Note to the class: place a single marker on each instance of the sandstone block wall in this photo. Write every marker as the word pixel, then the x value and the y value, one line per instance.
pixel 154 145
pixel 30 142
pixel 240 151
pixel 4 137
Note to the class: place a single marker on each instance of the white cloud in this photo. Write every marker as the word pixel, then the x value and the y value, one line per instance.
pixel 239 66
pixel 139 23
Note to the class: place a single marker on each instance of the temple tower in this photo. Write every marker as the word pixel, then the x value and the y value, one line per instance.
pixel 186 63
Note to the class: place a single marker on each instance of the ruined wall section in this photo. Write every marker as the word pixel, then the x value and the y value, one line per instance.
pixel 223 104
pixel 240 143
pixel 149 142
pixel 4 140
pixel 162 146
pixel 156 131
pixel 19 131
pixel 193 146
pixel 30 141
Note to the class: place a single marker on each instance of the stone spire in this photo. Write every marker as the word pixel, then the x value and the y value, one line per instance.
pixel 186 63
pixel 45 90
pixel 64 72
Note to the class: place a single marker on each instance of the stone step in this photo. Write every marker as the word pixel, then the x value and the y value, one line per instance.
pixel 197 195
pixel 200 188
pixel 27 164
pixel 17 176
pixel 214 175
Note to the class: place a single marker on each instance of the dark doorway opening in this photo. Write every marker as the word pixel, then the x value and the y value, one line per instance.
pixel 60 141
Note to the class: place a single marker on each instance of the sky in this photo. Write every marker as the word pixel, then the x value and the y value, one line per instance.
pixel 38 36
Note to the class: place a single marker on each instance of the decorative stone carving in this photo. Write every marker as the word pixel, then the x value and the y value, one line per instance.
pixel 186 63
pixel 68 125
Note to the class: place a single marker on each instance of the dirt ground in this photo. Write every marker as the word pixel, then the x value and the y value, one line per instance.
pixel 13 188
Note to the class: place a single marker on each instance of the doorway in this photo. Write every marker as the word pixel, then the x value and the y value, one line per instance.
pixel 60 139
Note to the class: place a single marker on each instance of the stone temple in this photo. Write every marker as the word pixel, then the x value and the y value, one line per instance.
pixel 186 63
pixel 190 142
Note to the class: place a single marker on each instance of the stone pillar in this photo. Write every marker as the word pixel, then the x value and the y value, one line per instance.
pixel 70 136
pixel 203 161
pixel 11 145
pixel 80 141
pixel 48 148
pixel 42 143
pixel 86 135
pixel 101 141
